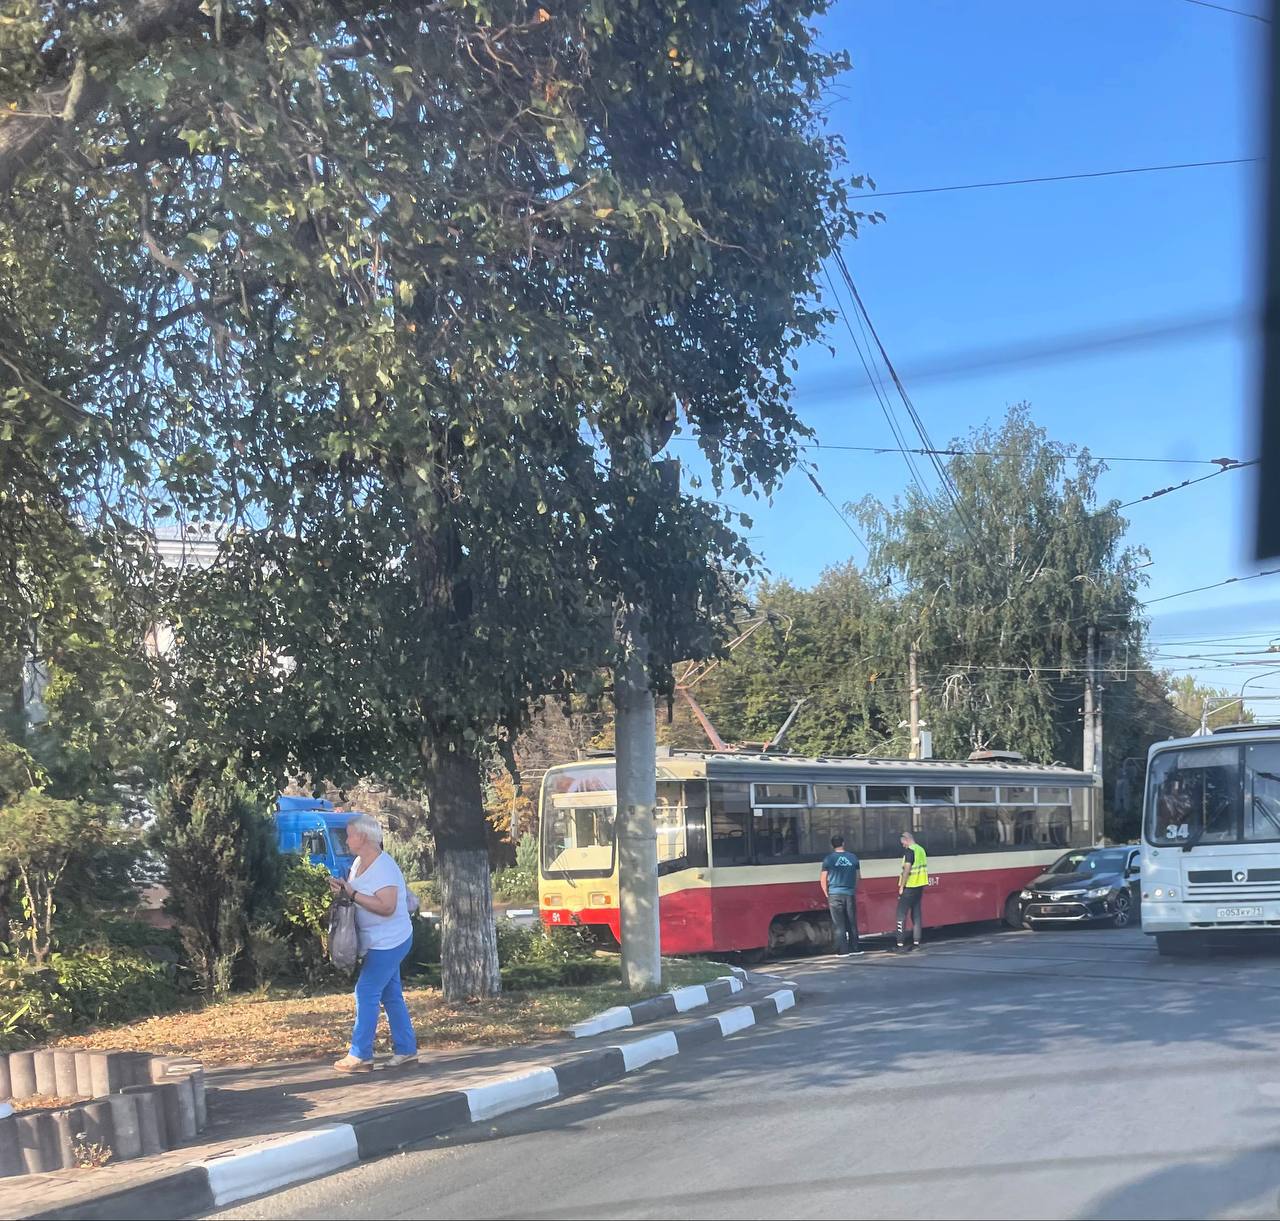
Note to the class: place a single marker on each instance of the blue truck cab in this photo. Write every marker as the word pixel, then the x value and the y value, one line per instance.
pixel 311 828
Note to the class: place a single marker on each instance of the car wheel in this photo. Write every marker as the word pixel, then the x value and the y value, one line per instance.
pixel 1123 915
pixel 1013 912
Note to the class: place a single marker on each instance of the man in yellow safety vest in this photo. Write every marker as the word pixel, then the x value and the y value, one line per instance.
pixel 915 877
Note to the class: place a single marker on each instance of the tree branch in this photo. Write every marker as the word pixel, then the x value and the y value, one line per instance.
pixel 28 134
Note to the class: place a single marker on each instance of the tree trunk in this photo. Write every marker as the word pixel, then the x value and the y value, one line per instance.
pixel 469 945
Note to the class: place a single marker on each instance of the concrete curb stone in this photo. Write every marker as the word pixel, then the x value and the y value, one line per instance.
pixel 271 1164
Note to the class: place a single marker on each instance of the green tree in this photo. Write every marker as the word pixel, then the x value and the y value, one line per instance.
pixel 999 585
pixel 1191 699
pixel 221 867
pixel 411 293
pixel 42 836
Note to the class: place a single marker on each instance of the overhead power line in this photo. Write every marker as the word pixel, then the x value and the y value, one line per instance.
pixel 1186 483
pixel 1237 12
pixel 1019 182
pixel 1266 572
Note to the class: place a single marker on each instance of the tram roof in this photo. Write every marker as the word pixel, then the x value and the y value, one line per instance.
pixel 677 763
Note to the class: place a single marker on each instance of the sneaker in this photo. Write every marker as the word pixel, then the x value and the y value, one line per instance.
pixel 401 1061
pixel 351 1064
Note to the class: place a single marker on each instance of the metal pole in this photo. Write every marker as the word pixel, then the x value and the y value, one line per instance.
pixel 1087 764
pixel 914 682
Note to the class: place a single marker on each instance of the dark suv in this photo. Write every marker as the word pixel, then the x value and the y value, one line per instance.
pixel 1083 886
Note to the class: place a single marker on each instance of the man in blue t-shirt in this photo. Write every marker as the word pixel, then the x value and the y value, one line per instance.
pixel 839 882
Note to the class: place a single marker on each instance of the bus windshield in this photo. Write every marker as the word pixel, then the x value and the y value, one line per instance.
pixel 1215 795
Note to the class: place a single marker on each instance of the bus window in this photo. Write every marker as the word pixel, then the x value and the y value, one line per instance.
pixel 1262 810
pixel 779 832
pixel 1195 796
pixel 730 824
pixel 937 829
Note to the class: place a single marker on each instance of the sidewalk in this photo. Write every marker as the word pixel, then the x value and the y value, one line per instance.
pixel 252 1104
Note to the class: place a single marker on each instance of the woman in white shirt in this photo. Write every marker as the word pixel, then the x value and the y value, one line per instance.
pixel 377 888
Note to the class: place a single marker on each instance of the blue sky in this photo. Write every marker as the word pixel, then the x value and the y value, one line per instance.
pixel 959 91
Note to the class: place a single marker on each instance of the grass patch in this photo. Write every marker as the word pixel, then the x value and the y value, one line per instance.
pixel 272 1025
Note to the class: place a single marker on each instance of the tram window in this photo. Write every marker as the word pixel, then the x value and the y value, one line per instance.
pixel 982 829
pixel 1023 822
pixel 1059 825
pixel 1046 796
pixel 935 794
pixel 730 823
pixel 1017 797
pixel 669 824
pixel 983 795
pixel 781 794
pixel 888 794
pixel 1081 819
pixel 695 823
pixel 826 821
pixel 837 794
pixel 938 830
pixel 779 832
pixel 882 830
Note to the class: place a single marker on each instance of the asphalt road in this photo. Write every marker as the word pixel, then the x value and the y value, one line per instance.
pixel 1059 1074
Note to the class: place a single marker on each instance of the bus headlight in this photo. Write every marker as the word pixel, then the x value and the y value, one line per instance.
pixel 1173 894
pixel 1159 892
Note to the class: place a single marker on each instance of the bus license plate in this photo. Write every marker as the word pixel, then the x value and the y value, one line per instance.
pixel 1240 913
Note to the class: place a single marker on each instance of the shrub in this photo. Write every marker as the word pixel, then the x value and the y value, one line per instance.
pixel 515 886
pixel 527 855
pixel 428 894
pixel 223 870
pixel 304 916
pixel 73 991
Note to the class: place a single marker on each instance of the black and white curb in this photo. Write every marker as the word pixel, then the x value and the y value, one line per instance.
pixel 272 1164
pixel 655 1008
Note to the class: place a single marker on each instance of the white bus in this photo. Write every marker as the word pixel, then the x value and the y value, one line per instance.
pixel 1211 838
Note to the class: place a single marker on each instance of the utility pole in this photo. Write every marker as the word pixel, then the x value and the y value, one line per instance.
pixel 635 761
pixel 1090 724
pixel 636 736
pixel 914 681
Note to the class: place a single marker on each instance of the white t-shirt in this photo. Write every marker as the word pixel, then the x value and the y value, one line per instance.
pixel 381 932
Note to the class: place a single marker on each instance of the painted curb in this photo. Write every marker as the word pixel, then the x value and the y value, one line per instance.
pixel 678 1000
pixel 269 1165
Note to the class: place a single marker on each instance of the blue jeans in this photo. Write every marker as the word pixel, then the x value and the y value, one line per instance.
pixel 379 985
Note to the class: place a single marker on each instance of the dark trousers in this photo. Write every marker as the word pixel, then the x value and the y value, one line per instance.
pixel 844 919
pixel 909 904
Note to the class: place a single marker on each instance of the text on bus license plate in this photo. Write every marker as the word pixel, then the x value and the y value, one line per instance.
pixel 1240 913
